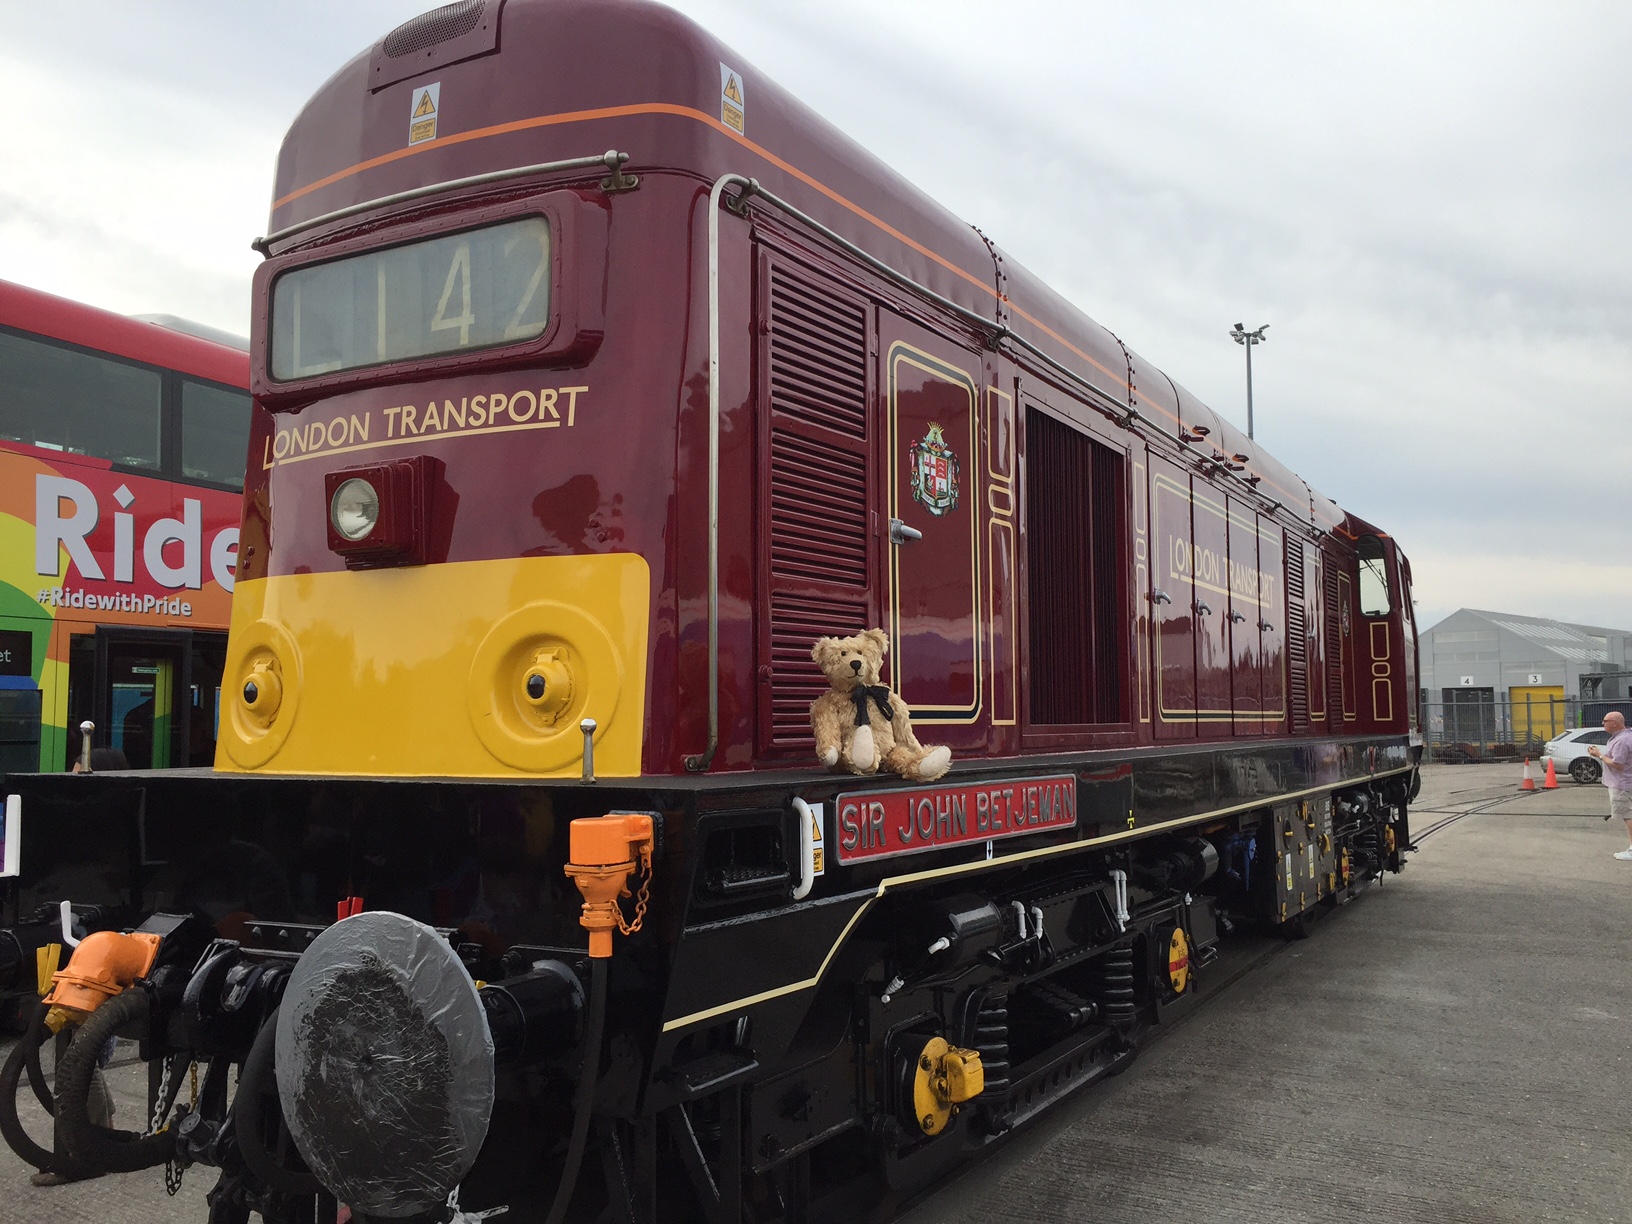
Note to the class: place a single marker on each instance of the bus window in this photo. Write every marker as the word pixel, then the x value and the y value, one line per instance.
pixel 214 433
pixel 1373 577
pixel 68 400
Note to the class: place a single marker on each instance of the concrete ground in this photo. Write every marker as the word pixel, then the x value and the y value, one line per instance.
pixel 1455 1046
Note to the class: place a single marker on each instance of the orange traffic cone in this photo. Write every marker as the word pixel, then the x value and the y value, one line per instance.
pixel 1552 780
pixel 1529 782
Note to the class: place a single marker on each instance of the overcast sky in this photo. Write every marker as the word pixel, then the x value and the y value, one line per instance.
pixel 1426 203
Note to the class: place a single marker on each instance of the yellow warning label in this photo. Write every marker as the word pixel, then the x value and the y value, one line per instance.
pixel 732 103
pixel 817 861
pixel 424 105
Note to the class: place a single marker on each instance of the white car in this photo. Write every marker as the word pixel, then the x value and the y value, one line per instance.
pixel 1569 751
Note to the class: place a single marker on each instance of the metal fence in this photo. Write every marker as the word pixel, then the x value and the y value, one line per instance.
pixel 1502 730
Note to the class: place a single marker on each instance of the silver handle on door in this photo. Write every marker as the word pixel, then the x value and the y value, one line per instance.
pixel 1203 609
pixel 1158 596
pixel 1235 617
pixel 900 533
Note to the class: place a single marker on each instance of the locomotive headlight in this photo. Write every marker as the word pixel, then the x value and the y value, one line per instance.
pixel 354 509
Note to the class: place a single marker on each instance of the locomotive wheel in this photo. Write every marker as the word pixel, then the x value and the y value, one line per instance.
pixel 1296 927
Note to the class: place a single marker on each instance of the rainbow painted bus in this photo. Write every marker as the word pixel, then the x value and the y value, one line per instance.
pixel 122 453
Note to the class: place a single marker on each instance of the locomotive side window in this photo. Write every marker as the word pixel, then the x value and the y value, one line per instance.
pixel 449 294
pixel 1374 600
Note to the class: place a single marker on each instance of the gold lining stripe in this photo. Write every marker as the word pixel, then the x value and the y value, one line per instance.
pixel 915 877
pixel 406 440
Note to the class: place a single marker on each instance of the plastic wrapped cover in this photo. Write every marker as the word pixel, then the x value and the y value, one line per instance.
pixel 385 1064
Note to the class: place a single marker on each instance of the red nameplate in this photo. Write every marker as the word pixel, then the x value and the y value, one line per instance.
pixel 878 824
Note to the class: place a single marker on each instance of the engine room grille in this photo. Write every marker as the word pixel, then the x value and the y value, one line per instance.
pixel 1334 648
pixel 818 367
pixel 1074 527
pixel 796 622
pixel 818 512
pixel 816 567
pixel 1297 634
pixel 438 25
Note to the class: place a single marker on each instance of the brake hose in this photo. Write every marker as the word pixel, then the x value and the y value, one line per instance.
pixel 584 1098
pixel 26 1054
pixel 247 1118
pixel 103 1149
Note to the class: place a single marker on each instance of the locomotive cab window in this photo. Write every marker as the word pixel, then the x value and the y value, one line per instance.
pixel 1374 596
pixel 450 294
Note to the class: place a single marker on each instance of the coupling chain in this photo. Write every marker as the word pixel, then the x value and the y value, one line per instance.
pixel 154 1126
pixel 642 898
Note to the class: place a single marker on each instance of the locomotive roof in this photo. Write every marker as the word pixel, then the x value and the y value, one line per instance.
pixel 568 78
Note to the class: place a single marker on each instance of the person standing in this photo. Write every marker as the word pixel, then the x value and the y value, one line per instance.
pixel 1616 759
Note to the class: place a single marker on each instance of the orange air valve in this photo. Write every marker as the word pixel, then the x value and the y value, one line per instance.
pixel 603 852
pixel 104 963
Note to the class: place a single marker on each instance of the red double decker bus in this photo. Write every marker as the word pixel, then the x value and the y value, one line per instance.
pixel 122 450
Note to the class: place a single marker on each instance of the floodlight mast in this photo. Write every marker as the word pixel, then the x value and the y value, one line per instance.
pixel 1249 338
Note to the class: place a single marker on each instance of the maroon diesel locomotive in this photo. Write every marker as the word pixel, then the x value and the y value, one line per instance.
pixel 517 860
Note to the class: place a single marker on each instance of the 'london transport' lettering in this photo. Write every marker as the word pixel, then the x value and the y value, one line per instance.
pixel 491 412
pixel 884 823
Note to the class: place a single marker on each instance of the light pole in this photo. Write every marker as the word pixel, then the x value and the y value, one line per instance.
pixel 1242 336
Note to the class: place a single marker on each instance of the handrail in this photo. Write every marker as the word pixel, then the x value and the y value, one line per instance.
pixel 702 760
pixel 611 159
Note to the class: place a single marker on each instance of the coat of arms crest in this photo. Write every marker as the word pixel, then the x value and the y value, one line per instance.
pixel 934 473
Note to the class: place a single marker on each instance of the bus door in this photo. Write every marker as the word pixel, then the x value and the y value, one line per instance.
pixel 143 694
pixel 20 711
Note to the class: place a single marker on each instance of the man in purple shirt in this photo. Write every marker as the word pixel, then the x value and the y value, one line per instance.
pixel 1616 759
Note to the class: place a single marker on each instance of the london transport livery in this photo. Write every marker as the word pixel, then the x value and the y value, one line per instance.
pixel 121 472
pixel 601 378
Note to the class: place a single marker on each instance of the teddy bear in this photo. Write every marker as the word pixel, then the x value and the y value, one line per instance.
pixel 859 723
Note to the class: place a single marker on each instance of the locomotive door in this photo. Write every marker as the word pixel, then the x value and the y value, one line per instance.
pixel 1172 599
pixel 1272 620
pixel 1210 572
pixel 931 394
pixel 1245 618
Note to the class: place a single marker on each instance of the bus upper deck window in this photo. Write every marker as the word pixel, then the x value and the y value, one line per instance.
pixel 70 400
pixel 1374 600
pixel 448 294
pixel 214 433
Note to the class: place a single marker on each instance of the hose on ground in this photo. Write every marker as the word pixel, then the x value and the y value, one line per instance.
pixel 25 1055
pixel 257 1082
pixel 584 1098
pixel 103 1149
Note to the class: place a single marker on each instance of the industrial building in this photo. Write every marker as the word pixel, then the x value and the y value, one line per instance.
pixel 1518 678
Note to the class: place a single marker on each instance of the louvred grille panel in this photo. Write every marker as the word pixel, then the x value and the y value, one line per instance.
pixel 1297 630
pixel 818 355
pixel 818 512
pixel 816 571
pixel 796 623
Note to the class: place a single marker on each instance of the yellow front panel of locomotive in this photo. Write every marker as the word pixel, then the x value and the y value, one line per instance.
pixel 468 669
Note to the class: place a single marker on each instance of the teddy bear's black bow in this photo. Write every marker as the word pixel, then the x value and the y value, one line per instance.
pixel 880 696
